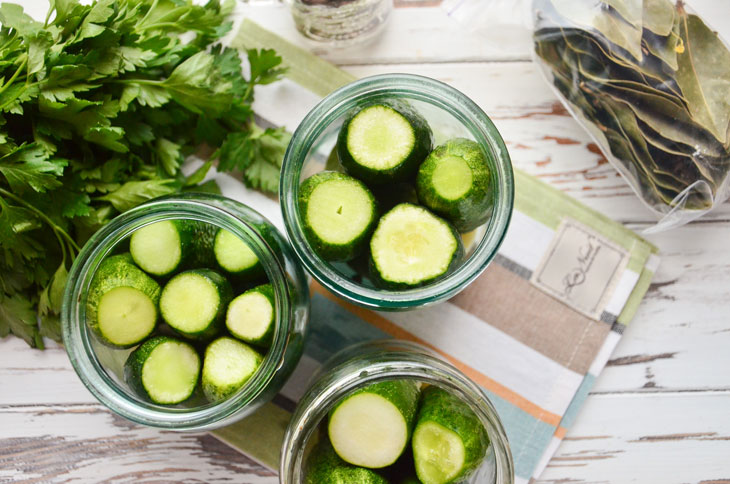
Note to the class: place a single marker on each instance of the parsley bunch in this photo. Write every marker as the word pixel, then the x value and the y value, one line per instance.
pixel 99 106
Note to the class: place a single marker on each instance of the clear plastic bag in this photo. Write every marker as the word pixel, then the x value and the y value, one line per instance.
pixel 650 81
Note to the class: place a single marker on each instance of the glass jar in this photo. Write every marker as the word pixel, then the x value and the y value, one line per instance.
pixel 340 23
pixel 100 367
pixel 376 361
pixel 450 114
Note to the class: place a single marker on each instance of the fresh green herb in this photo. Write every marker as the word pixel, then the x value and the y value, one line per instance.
pixel 99 106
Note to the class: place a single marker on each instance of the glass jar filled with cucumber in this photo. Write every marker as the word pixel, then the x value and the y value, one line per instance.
pixel 396 191
pixel 392 412
pixel 185 312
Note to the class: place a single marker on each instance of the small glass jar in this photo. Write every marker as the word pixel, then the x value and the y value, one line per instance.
pixel 99 367
pixel 377 361
pixel 340 23
pixel 450 114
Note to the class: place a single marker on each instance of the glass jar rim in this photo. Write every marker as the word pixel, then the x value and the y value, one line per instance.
pixel 420 88
pixel 407 360
pixel 78 338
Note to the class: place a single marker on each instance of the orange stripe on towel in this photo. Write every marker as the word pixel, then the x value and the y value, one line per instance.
pixel 397 332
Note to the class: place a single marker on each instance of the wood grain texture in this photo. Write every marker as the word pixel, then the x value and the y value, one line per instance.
pixel 658 412
pixel 87 443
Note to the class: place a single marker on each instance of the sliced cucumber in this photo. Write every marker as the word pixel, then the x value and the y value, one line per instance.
pixel 194 303
pixel 372 427
pixel 121 308
pixel 250 317
pixel 163 370
pixel 454 182
pixel 227 365
pixel 339 213
pixel 411 247
pixel 449 441
pixel 162 247
pixel 325 467
pixel 384 142
pixel 236 258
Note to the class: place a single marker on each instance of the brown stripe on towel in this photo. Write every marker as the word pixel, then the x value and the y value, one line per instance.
pixel 572 339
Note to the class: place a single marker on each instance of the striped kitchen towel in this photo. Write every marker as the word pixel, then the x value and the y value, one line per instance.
pixel 534 330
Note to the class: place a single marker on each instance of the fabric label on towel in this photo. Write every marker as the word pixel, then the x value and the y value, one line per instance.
pixel 581 268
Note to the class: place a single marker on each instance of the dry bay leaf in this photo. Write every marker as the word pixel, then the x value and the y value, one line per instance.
pixel 658 16
pixel 704 75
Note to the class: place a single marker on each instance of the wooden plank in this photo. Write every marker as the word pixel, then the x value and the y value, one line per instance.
pixel 428 34
pixel 87 443
pixel 680 336
pixel 668 438
pixel 672 438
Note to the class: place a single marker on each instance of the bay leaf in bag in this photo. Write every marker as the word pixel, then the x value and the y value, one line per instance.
pixel 704 75
pixel 658 16
pixel 604 21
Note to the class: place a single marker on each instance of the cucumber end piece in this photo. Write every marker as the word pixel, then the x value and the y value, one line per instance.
pixel 339 213
pixel 227 366
pixel 189 302
pixel 125 316
pixel 411 247
pixel 438 452
pixel 157 248
pixel 232 253
pixel 171 372
pixel 368 430
pixel 250 316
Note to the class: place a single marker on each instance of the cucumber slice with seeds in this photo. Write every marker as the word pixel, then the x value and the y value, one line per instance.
pixel 194 303
pixel 412 247
pixel 121 308
pixel 236 258
pixel 449 441
pixel 371 428
pixel 250 316
pixel 339 213
pixel 384 142
pixel 163 370
pixel 325 467
pixel 454 182
pixel 227 366
pixel 162 247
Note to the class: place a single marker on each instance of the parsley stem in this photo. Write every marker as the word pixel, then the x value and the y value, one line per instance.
pixel 58 230
pixel 15 76
pixel 157 25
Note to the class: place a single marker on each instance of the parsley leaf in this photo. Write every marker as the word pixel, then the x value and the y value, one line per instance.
pixel 98 109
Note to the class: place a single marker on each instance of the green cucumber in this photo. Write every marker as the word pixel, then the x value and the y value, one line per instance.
pixel 227 365
pixel 121 307
pixel 325 467
pixel 236 258
pixel 454 182
pixel 163 370
pixel 339 213
pixel 203 241
pixel 162 247
pixel 371 427
pixel 384 142
pixel 194 303
pixel 449 441
pixel 412 247
pixel 251 316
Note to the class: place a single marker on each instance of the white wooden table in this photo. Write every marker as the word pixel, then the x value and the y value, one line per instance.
pixel 659 413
